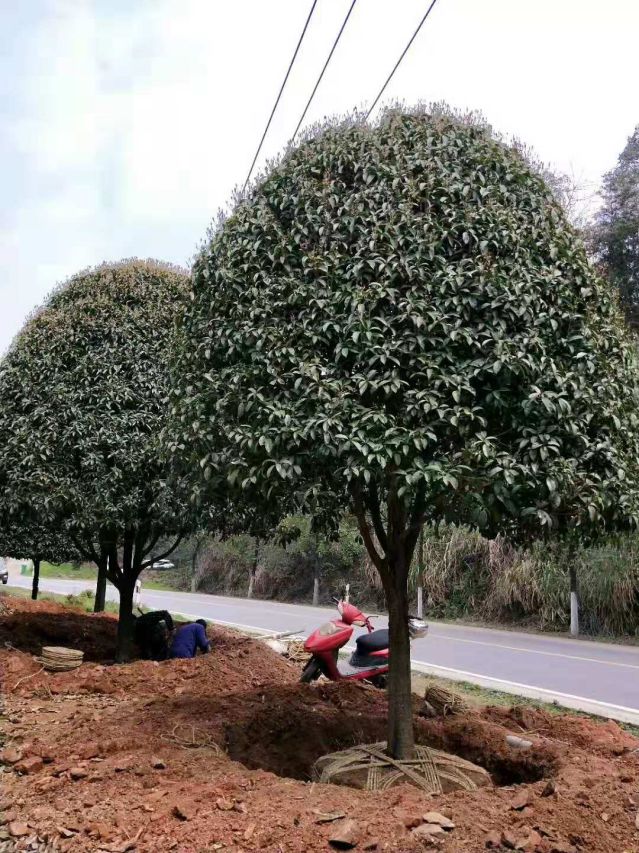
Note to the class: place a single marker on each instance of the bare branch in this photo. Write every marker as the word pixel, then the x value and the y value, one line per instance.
pixel 148 548
pixel 360 514
pixel 147 563
pixel 85 548
pixel 373 506
pixel 417 518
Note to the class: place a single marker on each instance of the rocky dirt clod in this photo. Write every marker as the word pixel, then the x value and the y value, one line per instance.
pixel 529 842
pixel 442 820
pixel 520 800
pixel 345 836
pixel 428 830
pixel 29 765
pixel 184 810
pixel 10 755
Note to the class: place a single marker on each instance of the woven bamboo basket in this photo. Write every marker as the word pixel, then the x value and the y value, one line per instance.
pixel 369 767
pixel 60 659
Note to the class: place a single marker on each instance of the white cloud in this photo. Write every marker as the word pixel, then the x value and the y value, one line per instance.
pixel 131 123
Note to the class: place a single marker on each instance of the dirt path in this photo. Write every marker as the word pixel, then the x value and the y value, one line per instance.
pixel 215 754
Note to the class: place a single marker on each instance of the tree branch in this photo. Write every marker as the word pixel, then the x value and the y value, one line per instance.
pixel 154 541
pixel 396 512
pixel 417 518
pixel 373 507
pixel 109 547
pixel 86 550
pixel 360 514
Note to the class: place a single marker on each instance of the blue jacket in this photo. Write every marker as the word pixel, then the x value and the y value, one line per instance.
pixel 188 639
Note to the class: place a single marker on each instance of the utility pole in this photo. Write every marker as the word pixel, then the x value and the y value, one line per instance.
pixel 420 576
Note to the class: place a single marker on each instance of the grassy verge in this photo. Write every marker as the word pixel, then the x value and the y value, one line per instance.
pixel 82 601
pixel 478 697
pixel 68 571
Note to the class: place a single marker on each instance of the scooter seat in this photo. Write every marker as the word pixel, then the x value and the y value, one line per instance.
pixel 377 641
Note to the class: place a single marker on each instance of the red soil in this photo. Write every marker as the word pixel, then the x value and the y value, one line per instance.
pixel 237 736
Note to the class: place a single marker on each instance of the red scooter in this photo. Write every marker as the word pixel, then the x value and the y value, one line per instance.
pixel 370 659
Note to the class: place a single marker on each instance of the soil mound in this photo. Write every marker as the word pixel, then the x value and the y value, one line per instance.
pixel 235 664
pixel 604 738
pixel 183 756
pixel 30 625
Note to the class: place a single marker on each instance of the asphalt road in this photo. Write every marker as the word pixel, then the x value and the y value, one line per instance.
pixel 596 677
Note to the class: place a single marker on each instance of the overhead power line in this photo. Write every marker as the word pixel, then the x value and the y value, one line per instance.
pixel 277 100
pixel 319 79
pixel 404 52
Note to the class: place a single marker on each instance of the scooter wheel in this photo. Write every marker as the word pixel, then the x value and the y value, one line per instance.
pixel 310 672
pixel 380 681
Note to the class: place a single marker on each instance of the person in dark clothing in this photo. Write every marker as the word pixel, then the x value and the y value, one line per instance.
pixel 188 639
pixel 152 634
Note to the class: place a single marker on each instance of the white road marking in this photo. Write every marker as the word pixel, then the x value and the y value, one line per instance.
pixel 535 651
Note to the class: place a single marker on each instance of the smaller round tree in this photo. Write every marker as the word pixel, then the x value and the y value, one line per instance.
pixel 399 320
pixel 28 539
pixel 83 400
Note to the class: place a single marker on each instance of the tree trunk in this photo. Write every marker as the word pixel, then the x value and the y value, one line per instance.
pixel 574 598
pixel 126 621
pixel 36 578
pixel 397 543
pixel 316 571
pixel 253 568
pixel 401 741
pixel 196 572
pixel 100 587
pixel 420 576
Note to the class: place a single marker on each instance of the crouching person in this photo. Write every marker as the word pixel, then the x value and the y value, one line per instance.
pixel 152 632
pixel 188 639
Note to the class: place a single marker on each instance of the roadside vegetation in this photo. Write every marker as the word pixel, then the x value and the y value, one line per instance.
pixel 465 576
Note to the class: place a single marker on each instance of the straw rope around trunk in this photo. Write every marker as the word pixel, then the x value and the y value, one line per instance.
pixel 370 768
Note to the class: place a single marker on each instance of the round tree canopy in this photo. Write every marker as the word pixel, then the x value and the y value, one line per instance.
pixel 83 398
pixel 405 306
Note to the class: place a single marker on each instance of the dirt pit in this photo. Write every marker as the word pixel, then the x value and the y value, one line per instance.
pixel 291 727
pixel 215 754
pixel 28 626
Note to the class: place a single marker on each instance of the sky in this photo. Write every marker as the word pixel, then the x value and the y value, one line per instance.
pixel 125 126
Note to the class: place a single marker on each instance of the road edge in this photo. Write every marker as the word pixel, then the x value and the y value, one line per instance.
pixel 565 700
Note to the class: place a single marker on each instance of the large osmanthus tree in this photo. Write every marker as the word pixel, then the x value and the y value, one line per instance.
pixel 398 320
pixel 83 401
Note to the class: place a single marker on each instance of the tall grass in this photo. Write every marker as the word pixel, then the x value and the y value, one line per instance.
pixel 468 576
